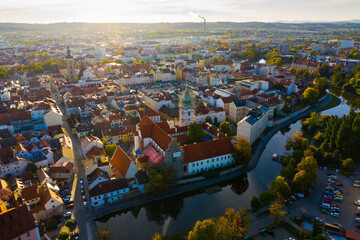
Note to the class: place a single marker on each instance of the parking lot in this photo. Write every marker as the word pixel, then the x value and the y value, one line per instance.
pixel 310 204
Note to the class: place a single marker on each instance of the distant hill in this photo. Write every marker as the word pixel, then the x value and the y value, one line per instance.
pixel 184 26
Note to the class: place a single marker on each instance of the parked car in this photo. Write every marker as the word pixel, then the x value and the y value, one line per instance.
pixel 330 180
pixel 357 219
pixel 288 203
pixel 357 202
pixel 358 209
pixel 339 196
pixel 337 192
pixel 68 214
pixel 299 195
pixel 70 205
pixel 335 214
pixel 337 199
pixel 324 211
pixel 325 205
pixel 356 185
pixel 335 209
pixel 329 188
pixel 357 225
pixel 85 204
pixel 339 184
pixel 357 213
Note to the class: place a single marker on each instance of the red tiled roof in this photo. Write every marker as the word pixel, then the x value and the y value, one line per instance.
pixel 207 149
pixel 108 186
pixel 16 222
pixel 121 161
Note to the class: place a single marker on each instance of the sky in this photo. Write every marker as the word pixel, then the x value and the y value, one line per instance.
pixel 49 11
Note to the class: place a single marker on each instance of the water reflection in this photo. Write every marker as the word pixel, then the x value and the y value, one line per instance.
pixel 180 213
pixel 161 210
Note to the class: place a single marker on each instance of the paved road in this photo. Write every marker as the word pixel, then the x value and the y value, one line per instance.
pixel 79 211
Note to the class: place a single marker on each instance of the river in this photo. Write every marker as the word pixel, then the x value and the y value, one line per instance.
pixel 178 214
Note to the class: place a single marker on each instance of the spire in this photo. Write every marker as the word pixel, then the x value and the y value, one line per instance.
pixel 69 55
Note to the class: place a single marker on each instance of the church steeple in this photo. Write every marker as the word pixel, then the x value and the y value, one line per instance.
pixel 70 66
pixel 187 112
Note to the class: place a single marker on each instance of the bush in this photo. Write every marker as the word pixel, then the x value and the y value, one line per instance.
pixel 266 197
pixel 51 224
pixel 70 223
pixel 63 236
pixel 255 203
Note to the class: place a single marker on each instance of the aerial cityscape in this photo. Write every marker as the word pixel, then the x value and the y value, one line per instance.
pixel 172 120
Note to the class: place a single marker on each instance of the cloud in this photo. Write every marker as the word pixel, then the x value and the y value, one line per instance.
pixel 176 10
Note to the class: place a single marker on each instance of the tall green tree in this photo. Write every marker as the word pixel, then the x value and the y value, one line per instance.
pixel 233 225
pixel 311 96
pixel 205 230
pixel 242 151
pixel 195 132
pixel 277 211
pixel 225 127
pixel 281 188
pixel 309 165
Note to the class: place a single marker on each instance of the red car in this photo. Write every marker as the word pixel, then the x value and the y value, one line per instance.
pixel 357 213
pixel 64 188
pixel 327 200
pixel 339 184
pixel 70 205
pixel 288 203
pixel 357 225
pixel 307 193
pixel 335 205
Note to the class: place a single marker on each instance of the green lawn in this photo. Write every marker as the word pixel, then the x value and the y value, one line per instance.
pixel 333 103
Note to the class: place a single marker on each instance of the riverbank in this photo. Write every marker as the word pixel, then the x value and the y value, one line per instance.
pixel 97 213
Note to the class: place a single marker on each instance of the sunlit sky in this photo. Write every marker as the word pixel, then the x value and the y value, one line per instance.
pixel 48 11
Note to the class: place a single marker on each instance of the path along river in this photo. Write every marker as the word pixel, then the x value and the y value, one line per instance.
pixel 177 214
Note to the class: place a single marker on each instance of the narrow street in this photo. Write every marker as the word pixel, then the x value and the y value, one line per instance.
pixel 79 211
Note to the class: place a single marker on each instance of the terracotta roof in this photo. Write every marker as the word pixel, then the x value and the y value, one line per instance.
pixel 96 174
pixel 26 176
pixel 121 161
pixel 108 186
pixel 45 195
pixel 95 151
pixel 29 193
pixel 208 149
pixel 64 167
pixel 149 129
pixel 16 222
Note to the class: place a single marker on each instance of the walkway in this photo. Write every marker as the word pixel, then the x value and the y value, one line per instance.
pixel 148 198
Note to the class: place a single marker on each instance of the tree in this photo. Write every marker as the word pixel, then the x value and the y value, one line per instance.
pixel 216 121
pixel 281 187
pixel 277 211
pixel 266 197
pixel 208 119
pixel 324 70
pixel 295 141
pixel 309 165
pixel 51 224
pixel 321 84
pixel 63 236
pixel 70 223
pixel 3 73
pixel 31 167
pixel 242 151
pixel 195 132
pixel 103 234
pixel 110 149
pixel 348 165
pixel 205 230
pixel 225 127
pixel 160 181
pixel 157 236
pixel 104 141
pixel 311 96
pixel 255 203
pixel 233 225
pixel 311 124
pixel 302 181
